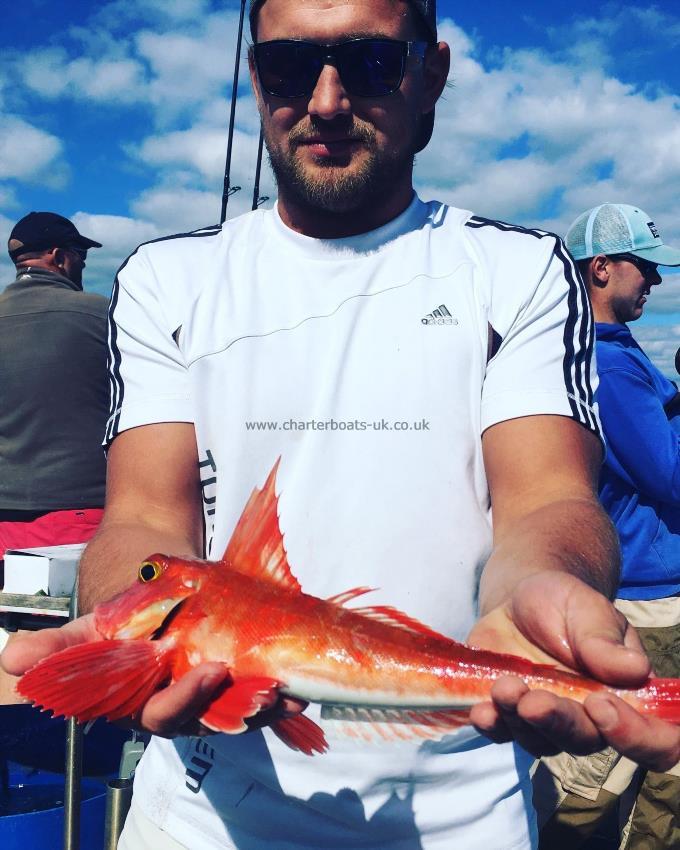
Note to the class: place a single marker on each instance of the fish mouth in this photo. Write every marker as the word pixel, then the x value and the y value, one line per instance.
pixel 174 611
pixel 149 621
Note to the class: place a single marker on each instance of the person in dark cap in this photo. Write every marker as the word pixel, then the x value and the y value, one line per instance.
pixel 412 365
pixel 53 388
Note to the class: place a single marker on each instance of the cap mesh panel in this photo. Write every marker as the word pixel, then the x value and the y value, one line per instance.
pixel 576 238
pixel 610 231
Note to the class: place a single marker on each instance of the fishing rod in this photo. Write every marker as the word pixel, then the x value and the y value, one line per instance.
pixel 228 189
pixel 257 198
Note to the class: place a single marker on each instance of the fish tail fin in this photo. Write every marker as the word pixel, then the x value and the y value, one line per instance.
pixel 659 698
pixel 301 733
pixel 109 678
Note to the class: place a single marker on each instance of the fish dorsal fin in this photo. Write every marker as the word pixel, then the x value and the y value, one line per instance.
pixel 256 546
pixel 394 617
pixel 349 595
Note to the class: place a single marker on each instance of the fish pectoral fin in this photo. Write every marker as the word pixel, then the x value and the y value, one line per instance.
pixel 256 545
pixel 240 699
pixel 376 725
pixel 301 733
pixel 108 678
pixel 395 617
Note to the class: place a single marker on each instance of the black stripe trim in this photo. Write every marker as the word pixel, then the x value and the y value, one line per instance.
pixel 477 222
pixel 113 365
pixel 116 383
pixel 582 362
pixel 580 396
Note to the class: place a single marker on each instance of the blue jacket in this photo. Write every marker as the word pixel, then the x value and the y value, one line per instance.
pixel 640 479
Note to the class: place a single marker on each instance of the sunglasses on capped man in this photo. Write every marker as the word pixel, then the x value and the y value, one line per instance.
pixel 645 267
pixel 76 249
pixel 368 67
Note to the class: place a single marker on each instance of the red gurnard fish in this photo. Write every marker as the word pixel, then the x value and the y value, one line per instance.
pixel 378 673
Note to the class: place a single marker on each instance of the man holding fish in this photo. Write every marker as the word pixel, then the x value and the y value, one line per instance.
pixel 353 300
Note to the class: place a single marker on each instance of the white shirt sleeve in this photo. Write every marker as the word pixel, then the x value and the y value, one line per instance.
pixel 539 308
pixel 148 376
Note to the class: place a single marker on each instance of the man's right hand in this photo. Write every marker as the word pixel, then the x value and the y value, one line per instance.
pixel 170 712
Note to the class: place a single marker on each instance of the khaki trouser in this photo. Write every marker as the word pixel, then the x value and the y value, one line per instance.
pixel 572 795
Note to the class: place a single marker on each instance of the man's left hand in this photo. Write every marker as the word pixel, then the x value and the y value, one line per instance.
pixel 555 618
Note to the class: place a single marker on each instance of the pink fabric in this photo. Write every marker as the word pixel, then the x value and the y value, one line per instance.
pixel 54 529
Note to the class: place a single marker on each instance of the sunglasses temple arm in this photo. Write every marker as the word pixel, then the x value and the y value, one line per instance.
pixel 228 189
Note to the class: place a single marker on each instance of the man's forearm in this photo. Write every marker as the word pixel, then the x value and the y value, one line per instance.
pixel 113 556
pixel 571 535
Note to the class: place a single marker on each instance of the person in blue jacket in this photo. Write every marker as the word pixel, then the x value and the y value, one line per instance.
pixel 618 249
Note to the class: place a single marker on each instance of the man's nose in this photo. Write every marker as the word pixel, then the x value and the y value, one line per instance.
pixel 329 98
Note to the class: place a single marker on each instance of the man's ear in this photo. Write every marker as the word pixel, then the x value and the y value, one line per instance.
pixel 599 270
pixel 436 67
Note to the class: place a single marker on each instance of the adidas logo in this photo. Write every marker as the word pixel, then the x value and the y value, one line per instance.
pixel 440 316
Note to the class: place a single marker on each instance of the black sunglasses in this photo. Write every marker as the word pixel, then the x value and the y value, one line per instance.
pixel 368 67
pixel 76 249
pixel 645 267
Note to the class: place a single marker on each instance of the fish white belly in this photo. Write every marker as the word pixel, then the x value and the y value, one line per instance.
pixel 322 691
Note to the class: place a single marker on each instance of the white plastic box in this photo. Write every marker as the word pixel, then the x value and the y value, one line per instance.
pixel 47 569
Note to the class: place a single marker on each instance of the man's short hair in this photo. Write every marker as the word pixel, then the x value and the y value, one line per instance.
pixel 426 19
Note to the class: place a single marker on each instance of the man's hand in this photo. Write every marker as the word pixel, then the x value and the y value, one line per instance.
pixel 553 617
pixel 170 712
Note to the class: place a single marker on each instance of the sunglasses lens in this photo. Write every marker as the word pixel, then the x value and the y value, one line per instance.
pixel 288 68
pixel 371 67
pixel 81 252
pixel 368 67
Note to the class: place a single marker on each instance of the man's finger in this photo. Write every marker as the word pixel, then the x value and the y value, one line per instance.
pixel 653 744
pixel 26 650
pixel 168 711
pixel 608 647
pixel 541 722
pixel 563 723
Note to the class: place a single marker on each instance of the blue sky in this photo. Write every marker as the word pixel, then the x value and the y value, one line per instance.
pixel 115 114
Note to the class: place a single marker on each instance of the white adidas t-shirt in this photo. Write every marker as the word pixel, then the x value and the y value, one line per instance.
pixel 362 362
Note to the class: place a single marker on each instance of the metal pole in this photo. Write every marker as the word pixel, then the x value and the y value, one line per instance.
pixel 257 200
pixel 72 790
pixel 228 189
pixel 73 769
pixel 118 799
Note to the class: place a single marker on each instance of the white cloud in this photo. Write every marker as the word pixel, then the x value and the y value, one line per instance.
pixel 176 210
pixel 665 298
pixel 25 150
pixel 119 236
pixel 189 69
pixel 533 133
pixel 660 343
pixel 52 74
pixel 202 149
pixel 7 271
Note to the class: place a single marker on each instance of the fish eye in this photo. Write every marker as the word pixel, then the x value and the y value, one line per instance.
pixel 149 571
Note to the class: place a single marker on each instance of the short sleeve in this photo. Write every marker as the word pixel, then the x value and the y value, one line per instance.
pixel 539 309
pixel 148 376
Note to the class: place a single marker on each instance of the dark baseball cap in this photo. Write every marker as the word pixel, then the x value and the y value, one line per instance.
pixel 427 9
pixel 40 231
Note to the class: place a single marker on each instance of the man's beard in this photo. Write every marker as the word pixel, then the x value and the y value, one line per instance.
pixel 333 189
